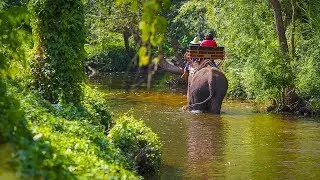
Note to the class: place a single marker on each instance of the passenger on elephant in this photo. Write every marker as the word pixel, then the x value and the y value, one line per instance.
pixel 196 41
pixel 187 67
pixel 214 64
pixel 208 41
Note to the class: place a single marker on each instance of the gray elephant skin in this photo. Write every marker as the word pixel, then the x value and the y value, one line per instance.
pixel 206 89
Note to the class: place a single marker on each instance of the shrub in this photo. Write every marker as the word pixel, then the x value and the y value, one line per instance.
pixel 314 105
pixel 138 143
pixel 112 58
pixel 236 88
pixel 54 147
pixel 307 79
pixel 97 105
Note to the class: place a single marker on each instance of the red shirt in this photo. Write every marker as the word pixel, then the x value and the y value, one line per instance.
pixel 208 43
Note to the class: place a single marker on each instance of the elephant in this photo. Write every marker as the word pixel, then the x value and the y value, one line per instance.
pixel 207 87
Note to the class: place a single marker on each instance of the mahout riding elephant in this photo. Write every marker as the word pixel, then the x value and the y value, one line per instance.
pixel 207 87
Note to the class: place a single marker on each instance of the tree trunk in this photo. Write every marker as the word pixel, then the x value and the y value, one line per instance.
pixel 280 27
pixel 166 65
pixel 58 64
pixel 126 35
pixel 286 97
pixel 293 3
pixel 137 40
pixel 136 37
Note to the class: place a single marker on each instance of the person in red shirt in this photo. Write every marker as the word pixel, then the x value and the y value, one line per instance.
pixel 208 41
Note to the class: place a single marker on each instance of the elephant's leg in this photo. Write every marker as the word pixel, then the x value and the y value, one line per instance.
pixel 220 86
pixel 216 106
pixel 188 90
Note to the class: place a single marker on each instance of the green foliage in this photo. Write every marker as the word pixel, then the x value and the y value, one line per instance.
pixel 190 21
pixel 9 113
pixel 137 143
pixel 95 103
pixel 14 128
pixel 314 105
pixel 105 41
pixel 254 61
pixel 105 17
pixel 113 58
pixel 12 37
pixel 58 29
pixel 113 36
pixel 152 25
pixel 307 67
pixel 307 81
pixel 236 87
pixel 63 142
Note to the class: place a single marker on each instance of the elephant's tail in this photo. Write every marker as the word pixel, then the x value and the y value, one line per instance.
pixel 206 100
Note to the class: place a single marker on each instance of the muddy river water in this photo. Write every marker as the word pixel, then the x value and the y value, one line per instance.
pixel 238 144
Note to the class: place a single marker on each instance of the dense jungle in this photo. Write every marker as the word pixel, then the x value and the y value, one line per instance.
pixel 92 89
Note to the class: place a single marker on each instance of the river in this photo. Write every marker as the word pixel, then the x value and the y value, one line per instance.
pixel 238 144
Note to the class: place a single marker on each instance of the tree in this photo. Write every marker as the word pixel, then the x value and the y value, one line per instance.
pixel 58 68
pixel 280 27
pixel 117 19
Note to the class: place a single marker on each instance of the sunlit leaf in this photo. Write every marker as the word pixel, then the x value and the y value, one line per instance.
pixel 143 57
pixel 155 60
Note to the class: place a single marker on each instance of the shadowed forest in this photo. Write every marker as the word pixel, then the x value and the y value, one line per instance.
pixel 56 123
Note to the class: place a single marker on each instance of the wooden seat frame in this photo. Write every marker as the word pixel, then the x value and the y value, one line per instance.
pixel 216 54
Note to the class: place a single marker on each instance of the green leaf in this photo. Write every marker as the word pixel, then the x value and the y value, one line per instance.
pixel 143 57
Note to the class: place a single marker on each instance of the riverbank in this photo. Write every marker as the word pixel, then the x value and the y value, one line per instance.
pixel 62 141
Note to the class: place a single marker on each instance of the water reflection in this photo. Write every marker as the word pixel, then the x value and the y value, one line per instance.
pixel 268 147
pixel 273 147
pixel 205 146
